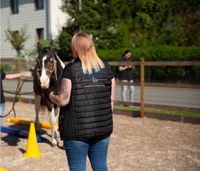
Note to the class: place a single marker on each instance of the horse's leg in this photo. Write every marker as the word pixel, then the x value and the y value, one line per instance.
pixel 56 113
pixel 53 122
pixel 37 111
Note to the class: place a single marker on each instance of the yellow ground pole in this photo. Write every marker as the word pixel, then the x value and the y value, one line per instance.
pixel 16 120
pixel 2 169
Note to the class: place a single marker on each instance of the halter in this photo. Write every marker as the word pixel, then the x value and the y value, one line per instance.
pixel 54 68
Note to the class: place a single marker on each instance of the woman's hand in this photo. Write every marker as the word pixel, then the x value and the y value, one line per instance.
pixel 63 97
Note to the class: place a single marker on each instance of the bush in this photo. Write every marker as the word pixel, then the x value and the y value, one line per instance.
pixel 8 68
pixel 155 53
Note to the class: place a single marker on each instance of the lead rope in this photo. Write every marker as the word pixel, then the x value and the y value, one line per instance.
pixel 18 89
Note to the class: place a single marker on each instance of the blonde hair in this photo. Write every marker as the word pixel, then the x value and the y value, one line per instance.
pixel 83 48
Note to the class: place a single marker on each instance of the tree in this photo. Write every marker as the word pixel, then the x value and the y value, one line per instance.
pixel 108 22
pixel 17 39
pixel 127 23
pixel 182 24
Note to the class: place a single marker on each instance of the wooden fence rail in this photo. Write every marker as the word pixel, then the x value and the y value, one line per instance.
pixel 157 63
pixel 142 63
pixel 12 61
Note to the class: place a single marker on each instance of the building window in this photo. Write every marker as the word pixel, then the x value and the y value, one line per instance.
pixel 39 4
pixel 14 5
pixel 40 33
pixel 63 2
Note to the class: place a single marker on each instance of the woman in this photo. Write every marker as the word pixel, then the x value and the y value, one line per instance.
pixel 86 97
pixel 5 76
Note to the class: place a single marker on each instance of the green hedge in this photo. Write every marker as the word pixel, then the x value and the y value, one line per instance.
pixel 161 53
pixel 8 68
pixel 155 53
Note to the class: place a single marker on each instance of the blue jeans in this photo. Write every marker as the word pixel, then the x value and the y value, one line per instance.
pixel 96 150
pixel 124 89
pixel 2 108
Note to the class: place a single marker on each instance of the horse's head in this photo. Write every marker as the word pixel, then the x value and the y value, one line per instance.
pixel 46 65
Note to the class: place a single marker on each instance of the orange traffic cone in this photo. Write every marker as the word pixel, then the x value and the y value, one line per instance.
pixel 32 149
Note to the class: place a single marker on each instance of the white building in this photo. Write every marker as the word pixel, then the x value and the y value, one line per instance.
pixel 42 19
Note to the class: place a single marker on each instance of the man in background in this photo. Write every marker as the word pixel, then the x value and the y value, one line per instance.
pixel 125 76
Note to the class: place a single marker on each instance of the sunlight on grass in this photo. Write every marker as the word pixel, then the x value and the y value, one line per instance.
pixel 159 111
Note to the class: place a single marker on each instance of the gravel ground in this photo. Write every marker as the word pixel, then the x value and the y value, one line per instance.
pixel 137 144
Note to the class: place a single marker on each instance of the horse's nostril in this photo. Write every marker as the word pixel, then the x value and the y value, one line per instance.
pixel 44 83
pixel 44 86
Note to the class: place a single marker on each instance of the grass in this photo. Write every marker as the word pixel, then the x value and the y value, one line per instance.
pixel 159 111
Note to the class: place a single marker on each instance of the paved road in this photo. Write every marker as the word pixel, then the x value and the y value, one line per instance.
pixel 183 97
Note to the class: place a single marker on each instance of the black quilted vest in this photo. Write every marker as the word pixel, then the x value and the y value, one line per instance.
pixel 89 113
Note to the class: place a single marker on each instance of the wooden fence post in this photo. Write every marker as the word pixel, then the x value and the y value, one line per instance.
pixel 19 65
pixel 142 63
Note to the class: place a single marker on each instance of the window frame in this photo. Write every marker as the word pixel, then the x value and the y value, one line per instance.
pixel 39 4
pixel 14 6
pixel 40 33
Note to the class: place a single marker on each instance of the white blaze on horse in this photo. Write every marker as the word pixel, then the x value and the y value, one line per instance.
pixel 46 78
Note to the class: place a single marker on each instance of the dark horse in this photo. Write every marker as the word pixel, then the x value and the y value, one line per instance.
pixel 47 77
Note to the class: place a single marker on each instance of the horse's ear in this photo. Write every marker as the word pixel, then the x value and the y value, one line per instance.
pixel 39 47
pixel 51 48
